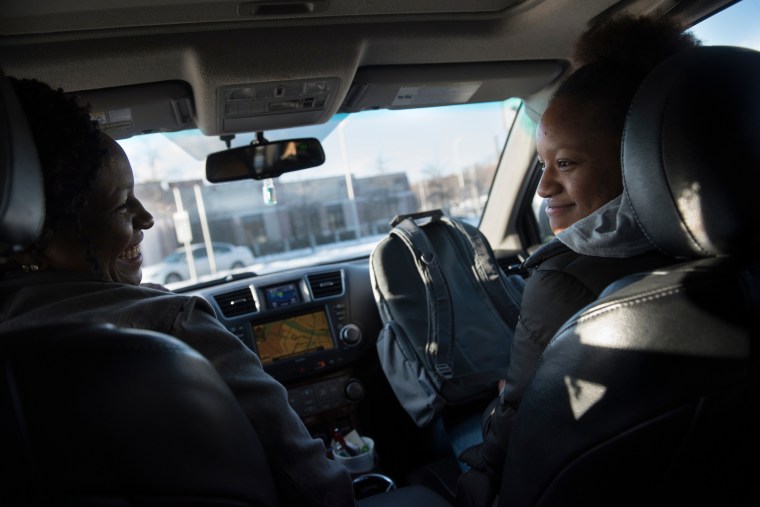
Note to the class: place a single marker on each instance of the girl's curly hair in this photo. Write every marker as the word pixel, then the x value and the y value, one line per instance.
pixel 612 59
pixel 641 42
pixel 70 152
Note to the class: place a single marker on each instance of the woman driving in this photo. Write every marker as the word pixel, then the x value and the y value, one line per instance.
pixel 86 267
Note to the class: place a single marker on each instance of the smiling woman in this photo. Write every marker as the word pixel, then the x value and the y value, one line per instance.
pixel 580 160
pixel 111 225
pixel 578 141
pixel 734 26
pixel 86 268
pixel 93 222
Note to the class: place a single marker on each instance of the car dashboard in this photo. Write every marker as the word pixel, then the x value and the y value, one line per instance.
pixel 314 329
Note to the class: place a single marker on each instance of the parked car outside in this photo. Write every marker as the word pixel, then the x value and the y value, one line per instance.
pixel 175 266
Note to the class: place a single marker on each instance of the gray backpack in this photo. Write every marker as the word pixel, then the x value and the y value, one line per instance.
pixel 449 313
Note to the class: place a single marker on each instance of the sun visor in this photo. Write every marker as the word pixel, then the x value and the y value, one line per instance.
pixel 125 111
pixel 412 86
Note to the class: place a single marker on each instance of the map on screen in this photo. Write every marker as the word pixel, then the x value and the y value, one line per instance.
pixel 294 336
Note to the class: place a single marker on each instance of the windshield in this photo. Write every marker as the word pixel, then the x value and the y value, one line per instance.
pixel 378 164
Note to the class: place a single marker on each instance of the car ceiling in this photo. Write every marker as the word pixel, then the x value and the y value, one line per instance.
pixel 173 47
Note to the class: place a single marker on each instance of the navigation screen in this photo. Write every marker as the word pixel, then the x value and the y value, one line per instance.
pixel 283 295
pixel 294 336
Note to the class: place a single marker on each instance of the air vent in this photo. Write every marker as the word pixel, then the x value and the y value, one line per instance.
pixel 326 284
pixel 236 303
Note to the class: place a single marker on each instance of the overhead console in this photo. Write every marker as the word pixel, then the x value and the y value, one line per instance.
pixel 272 105
pixel 411 86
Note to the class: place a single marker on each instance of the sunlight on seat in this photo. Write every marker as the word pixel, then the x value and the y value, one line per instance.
pixel 687 340
pixel 690 206
pixel 583 395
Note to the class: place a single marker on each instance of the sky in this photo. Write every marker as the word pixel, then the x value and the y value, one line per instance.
pixel 418 141
pixel 738 25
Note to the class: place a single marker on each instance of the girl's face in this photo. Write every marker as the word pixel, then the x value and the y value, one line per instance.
pixel 581 163
pixel 112 221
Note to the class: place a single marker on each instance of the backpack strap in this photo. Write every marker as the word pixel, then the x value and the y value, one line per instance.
pixel 441 322
pixel 489 273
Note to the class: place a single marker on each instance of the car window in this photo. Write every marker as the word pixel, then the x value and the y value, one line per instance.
pixel 379 164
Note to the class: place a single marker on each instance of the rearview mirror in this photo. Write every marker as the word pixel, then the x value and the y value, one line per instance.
pixel 264 160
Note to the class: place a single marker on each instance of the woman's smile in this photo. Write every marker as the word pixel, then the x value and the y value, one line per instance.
pixel 553 209
pixel 132 254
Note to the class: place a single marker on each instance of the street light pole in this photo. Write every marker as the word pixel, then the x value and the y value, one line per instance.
pixel 349 178
pixel 204 228
pixel 184 233
pixel 458 158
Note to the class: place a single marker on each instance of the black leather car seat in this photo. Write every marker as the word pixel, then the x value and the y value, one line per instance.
pixel 21 192
pixel 95 415
pixel 647 396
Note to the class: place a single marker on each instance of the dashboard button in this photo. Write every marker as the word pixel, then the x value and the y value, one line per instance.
pixel 351 334
pixel 354 391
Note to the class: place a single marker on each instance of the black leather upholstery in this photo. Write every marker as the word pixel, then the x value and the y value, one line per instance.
pixel 646 397
pixel 95 415
pixel 22 208
pixel 690 152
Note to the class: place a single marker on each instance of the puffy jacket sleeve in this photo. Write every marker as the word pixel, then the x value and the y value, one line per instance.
pixel 304 475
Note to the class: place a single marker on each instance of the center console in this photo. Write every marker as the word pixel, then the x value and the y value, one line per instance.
pixel 308 332
pixel 314 330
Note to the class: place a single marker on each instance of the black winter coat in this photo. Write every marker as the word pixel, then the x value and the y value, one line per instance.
pixel 560 283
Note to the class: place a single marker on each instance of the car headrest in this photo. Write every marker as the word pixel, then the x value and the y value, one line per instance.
pixel 691 153
pixel 22 201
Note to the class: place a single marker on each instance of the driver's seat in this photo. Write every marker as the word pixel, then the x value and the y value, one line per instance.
pixel 96 415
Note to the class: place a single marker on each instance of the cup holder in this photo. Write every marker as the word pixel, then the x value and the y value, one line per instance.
pixel 372 484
